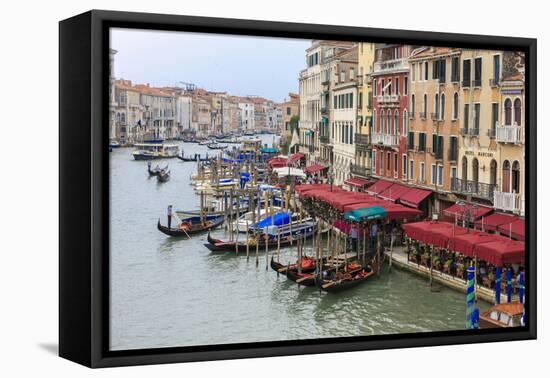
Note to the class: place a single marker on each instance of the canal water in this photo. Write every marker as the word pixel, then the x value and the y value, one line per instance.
pixel 168 292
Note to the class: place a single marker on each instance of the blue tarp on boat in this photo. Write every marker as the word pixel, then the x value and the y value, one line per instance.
pixel 278 219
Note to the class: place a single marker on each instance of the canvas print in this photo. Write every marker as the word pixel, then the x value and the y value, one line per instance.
pixel 269 189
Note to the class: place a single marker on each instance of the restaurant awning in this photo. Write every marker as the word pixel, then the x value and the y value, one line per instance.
pixel 297 156
pixel 502 252
pixel 491 222
pixel 394 192
pixel 433 232
pixel 515 229
pixel 289 171
pixel 414 196
pixel 356 182
pixel 466 243
pixel 379 186
pixel 314 168
pixel 307 187
pixel 366 214
pixel 460 211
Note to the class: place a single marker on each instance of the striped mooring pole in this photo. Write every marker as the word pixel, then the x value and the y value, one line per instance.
pixel 521 287
pixel 509 284
pixel 497 285
pixel 470 298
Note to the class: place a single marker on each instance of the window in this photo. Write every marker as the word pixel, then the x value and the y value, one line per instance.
pixel 466 116
pixel 440 175
pixel 494 116
pixel 422 175
pixel 453 148
pixel 396 123
pixel 373 120
pixel 351 100
pixel 434 175
pixel 388 125
pixel 422 142
pixel 382 122
pixel 425 105
pixel 425 71
pixel 508 112
pixel 442 113
pixel 288 111
pixel 477 72
pixel 413 72
pixel 496 68
pixel 453 173
pixel 396 90
pixel 413 105
pixel 381 162
pixel 515 177
pixel 455 70
pixel 405 123
pixel 374 160
pixel 517 111
pixel 411 169
pixel 350 134
pixel 477 115
pixel 360 100
pixel 395 172
pixel 438 70
pixel 506 176
pixel 389 87
pixel 406 86
pixel 464 168
pixel 455 106
pixel 374 87
pixel 404 166
pixel 466 72
pixel 388 162
pixel 383 89
pixel 410 144
pixel 436 105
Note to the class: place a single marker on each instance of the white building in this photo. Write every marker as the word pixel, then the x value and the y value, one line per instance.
pixel 247 115
pixel 184 112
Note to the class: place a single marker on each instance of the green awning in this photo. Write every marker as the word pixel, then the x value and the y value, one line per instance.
pixel 366 214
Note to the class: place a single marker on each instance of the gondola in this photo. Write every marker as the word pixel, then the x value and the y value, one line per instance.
pixel 156 172
pixel 194 226
pixel 194 158
pixel 163 176
pixel 305 278
pixel 217 245
pixel 344 280
pixel 216 146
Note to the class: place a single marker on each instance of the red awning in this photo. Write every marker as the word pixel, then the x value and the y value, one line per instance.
pixel 277 162
pixel 314 168
pixel 379 186
pixel 357 182
pixel 339 202
pixel 413 197
pixel 308 187
pixel 433 232
pixel 515 229
pixel 502 252
pixel 467 242
pixel 297 156
pixel 491 222
pixel 458 212
pixel 394 192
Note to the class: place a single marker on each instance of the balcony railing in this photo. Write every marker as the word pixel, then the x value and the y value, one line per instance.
pixel 362 139
pixel 508 133
pixel 359 170
pixel 390 65
pixel 476 83
pixel 469 132
pixel 385 139
pixel 389 98
pixel 325 139
pixel 508 201
pixel 475 188
pixel 466 83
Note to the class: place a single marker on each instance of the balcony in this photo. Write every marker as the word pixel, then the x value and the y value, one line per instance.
pixel 469 132
pixel 423 115
pixel 509 202
pixel 475 188
pixel 508 133
pixel 362 140
pixel 385 139
pixel 359 170
pixel 388 99
pixel 325 139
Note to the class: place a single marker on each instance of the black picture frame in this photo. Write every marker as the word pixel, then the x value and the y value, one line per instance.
pixel 83 181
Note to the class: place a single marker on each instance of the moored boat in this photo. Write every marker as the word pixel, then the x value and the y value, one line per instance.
pixel 337 281
pixel 502 315
pixel 155 171
pixel 163 176
pixel 191 225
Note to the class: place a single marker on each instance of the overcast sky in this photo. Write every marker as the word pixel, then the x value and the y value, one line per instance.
pixel 267 67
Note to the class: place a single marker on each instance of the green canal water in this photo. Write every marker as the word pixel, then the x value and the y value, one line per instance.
pixel 168 292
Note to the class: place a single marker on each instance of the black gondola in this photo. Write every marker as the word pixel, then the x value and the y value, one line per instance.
pixel 305 278
pixel 194 158
pixel 163 176
pixel 156 171
pixel 217 245
pixel 194 226
pixel 347 281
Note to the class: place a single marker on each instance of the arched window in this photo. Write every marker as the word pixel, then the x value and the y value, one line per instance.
pixel 413 105
pixel 351 134
pixel 382 121
pixel 396 123
pixel 388 125
pixel 517 111
pixel 405 123
pixel 506 176
pixel 464 168
pixel 436 105
pixel 475 170
pixel 515 177
pixel 493 173
pixel 442 115
pixel 508 112
pixel 455 106
pixel 374 123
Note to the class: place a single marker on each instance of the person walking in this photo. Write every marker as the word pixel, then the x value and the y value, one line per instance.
pixel 169 215
pixel 354 237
